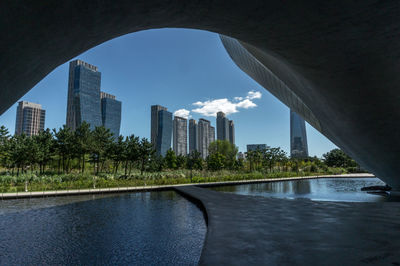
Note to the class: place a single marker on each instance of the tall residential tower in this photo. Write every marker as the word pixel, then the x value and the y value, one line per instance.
pixel 298 136
pixel 222 126
pixel 154 123
pixel 193 139
pixel 30 118
pixel 111 113
pixel 164 132
pixel 180 136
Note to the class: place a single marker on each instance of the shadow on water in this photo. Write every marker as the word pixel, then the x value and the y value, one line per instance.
pixel 136 228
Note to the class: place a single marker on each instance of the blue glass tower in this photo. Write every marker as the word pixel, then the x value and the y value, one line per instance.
pixel 164 135
pixel 111 113
pixel 298 136
pixel 83 95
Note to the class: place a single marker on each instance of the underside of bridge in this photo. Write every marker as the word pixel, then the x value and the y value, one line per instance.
pixel 336 63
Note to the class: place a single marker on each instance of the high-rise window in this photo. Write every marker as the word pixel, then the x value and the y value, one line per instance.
pixel 298 136
pixel 30 118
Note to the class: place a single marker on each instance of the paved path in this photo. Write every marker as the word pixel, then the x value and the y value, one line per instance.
pixel 251 230
pixel 55 193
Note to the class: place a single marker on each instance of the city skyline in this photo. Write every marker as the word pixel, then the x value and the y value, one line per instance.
pixel 124 63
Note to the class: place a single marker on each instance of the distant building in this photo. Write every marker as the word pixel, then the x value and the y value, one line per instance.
pixel 298 136
pixel 231 132
pixel 164 132
pixel 111 113
pixel 180 136
pixel 222 126
pixel 241 155
pixel 193 138
pixel 203 129
pixel 211 136
pixel 154 123
pixel 30 118
pixel 255 147
pixel 83 95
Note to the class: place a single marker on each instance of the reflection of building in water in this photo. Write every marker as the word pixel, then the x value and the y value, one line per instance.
pixel 298 136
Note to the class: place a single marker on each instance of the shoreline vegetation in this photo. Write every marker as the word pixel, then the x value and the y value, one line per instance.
pixel 93 158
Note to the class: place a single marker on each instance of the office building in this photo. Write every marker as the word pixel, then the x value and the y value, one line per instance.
pixel 180 136
pixel 203 129
pixel 30 118
pixel 83 95
pixel 111 113
pixel 255 147
pixel 231 132
pixel 298 136
pixel 164 132
pixel 211 136
pixel 192 135
pixel 154 122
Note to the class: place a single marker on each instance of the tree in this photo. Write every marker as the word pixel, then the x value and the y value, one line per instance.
pixel 170 159
pixel 337 158
pixel 117 152
pixel 102 139
pixel 215 161
pixel 180 161
pixel 194 161
pixel 4 146
pixel 145 152
pixel 83 143
pixel 64 143
pixel 45 149
pixel 225 148
pixel 132 152
pixel 271 156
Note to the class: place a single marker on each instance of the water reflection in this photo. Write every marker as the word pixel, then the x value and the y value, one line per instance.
pixel 156 228
pixel 325 189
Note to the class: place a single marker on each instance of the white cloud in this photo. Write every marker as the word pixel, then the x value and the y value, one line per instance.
pixel 182 113
pixel 211 107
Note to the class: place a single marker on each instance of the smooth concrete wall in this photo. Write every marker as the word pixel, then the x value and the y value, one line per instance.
pixel 340 58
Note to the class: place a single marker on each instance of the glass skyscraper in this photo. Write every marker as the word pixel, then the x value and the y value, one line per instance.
pixel 298 136
pixel 83 95
pixel 222 126
pixel 30 118
pixel 111 113
pixel 180 136
pixel 203 130
pixel 154 123
pixel 164 132
pixel 231 132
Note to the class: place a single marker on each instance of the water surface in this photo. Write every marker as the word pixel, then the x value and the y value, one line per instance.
pixel 149 228
pixel 323 189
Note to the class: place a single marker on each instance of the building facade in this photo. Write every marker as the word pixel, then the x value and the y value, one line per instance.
pixel 164 132
pixel 203 129
pixel 83 95
pixel 154 123
pixel 231 132
pixel 111 113
pixel 180 136
pixel 298 136
pixel 30 118
pixel 255 147
pixel 222 126
pixel 211 136
pixel 193 138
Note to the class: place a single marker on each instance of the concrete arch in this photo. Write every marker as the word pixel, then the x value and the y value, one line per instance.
pixel 340 58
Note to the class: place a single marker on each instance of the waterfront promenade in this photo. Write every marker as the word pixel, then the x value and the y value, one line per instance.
pixel 57 193
pixel 252 230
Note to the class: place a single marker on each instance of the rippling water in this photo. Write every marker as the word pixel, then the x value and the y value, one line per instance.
pixel 325 189
pixel 152 228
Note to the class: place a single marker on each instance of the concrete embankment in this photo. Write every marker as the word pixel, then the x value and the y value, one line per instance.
pixel 58 193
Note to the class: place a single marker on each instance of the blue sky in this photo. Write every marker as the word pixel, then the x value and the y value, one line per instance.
pixel 179 69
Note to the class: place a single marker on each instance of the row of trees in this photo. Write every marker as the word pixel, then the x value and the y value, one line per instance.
pixel 64 150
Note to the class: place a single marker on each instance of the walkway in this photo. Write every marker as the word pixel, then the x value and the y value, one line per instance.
pixel 251 230
pixel 70 192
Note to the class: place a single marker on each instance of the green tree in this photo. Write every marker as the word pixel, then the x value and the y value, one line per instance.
pixel 215 161
pixel 4 146
pixel 83 143
pixel 64 144
pixel 45 149
pixel 194 161
pixel 117 152
pixel 180 161
pixel 225 148
pixel 170 159
pixel 132 152
pixel 146 151
pixel 102 139
pixel 337 158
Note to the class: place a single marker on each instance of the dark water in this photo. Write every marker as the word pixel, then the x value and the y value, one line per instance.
pixel 153 228
pixel 325 189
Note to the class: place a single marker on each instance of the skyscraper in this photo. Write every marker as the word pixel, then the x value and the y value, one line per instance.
pixel 255 147
pixel 154 122
pixel 222 126
pixel 298 137
pixel 30 118
pixel 83 95
pixel 231 132
pixel 203 129
pixel 192 135
pixel 111 113
pixel 211 134
pixel 164 132
pixel 180 136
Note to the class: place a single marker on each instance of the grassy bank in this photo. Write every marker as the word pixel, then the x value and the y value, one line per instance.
pixel 33 182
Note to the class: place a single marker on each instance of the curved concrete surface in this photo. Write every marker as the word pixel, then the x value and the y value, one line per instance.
pixel 339 58
pixel 250 230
